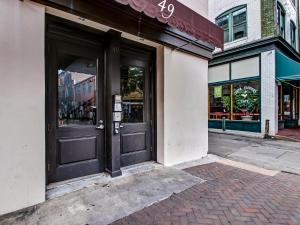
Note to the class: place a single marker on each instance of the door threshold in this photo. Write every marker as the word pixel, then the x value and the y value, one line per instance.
pixel 58 189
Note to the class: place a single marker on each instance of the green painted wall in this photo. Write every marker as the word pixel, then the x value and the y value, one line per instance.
pixel 268 26
pixel 250 126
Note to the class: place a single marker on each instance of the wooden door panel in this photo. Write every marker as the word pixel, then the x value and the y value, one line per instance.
pixel 79 169
pixel 135 157
pixel 133 142
pixel 77 149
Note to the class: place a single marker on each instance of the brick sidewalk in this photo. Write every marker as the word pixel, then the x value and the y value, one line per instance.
pixel 290 133
pixel 229 197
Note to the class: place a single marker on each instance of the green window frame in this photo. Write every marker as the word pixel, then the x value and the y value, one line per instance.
pixel 293 34
pixel 281 20
pixel 234 23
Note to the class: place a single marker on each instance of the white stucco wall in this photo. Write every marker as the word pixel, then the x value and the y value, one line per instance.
pixel 185 128
pixel 216 8
pixel 22 102
pixel 269 92
pixel 291 14
pixel 199 6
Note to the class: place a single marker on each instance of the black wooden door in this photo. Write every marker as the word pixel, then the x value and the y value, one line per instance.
pixel 136 106
pixel 75 109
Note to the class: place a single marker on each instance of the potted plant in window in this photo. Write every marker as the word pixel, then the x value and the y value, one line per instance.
pixel 226 103
pixel 246 100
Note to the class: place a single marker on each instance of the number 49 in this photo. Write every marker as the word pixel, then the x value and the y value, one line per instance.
pixel 170 9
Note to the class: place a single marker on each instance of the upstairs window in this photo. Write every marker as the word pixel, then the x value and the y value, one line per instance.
pixel 234 23
pixel 293 34
pixel 281 20
pixel 293 1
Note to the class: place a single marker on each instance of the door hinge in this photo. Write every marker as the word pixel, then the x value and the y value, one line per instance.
pixel 48 167
pixel 151 149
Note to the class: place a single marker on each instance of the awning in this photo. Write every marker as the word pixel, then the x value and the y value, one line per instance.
pixel 182 18
pixel 286 68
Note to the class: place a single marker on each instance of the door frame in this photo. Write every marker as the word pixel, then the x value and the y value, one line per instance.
pixel 60 29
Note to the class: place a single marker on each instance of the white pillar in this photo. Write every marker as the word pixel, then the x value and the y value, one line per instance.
pixel 269 92
pixel 185 100
pixel 22 100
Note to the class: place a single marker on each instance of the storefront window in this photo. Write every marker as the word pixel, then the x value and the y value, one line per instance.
pixel 246 98
pixel 288 101
pixel 220 102
pixel 237 101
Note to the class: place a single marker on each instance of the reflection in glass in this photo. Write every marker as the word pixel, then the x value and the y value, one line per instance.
pixel 77 86
pixel 132 91
pixel 220 102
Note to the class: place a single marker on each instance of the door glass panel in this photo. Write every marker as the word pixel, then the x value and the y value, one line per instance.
pixel 77 91
pixel 132 91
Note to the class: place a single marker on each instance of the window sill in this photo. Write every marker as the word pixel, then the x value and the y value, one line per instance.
pixel 235 41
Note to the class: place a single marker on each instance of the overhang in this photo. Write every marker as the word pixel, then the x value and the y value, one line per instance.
pixel 184 30
pixel 287 69
pixel 177 15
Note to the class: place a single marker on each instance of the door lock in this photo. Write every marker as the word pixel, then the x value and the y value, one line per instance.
pixel 101 125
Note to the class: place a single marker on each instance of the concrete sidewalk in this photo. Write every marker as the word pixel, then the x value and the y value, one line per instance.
pixel 107 200
pixel 266 153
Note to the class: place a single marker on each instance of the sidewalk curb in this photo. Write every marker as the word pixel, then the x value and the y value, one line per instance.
pixel 284 138
pixel 237 133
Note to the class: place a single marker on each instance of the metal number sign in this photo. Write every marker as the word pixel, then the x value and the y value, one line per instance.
pixel 169 7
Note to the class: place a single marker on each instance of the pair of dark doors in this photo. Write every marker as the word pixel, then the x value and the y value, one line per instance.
pixel 76 108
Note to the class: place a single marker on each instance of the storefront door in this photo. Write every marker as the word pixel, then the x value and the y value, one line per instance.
pixel 136 141
pixel 75 109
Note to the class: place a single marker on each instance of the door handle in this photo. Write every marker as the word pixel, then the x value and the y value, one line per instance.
pixel 101 125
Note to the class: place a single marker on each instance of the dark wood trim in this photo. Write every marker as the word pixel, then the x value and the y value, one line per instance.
pixel 112 43
pixel 122 17
pixel 254 48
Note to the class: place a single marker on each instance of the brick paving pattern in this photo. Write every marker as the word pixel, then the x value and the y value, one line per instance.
pixel 290 133
pixel 230 196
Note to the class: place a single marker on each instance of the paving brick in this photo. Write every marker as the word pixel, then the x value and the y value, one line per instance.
pixel 230 196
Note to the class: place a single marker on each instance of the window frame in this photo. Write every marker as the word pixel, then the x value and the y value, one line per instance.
pixel 293 33
pixel 281 16
pixel 229 13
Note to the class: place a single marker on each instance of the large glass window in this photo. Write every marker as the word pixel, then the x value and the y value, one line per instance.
pixel 234 23
pixel 237 101
pixel 220 102
pixel 288 100
pixel 281 20
pixel 75 107
pixel 293 34
pixel 246 98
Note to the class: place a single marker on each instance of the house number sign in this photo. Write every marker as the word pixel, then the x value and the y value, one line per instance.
pixel 164 6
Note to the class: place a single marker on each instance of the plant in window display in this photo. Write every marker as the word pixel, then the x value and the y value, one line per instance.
pixel 246 100
pixel 226 103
